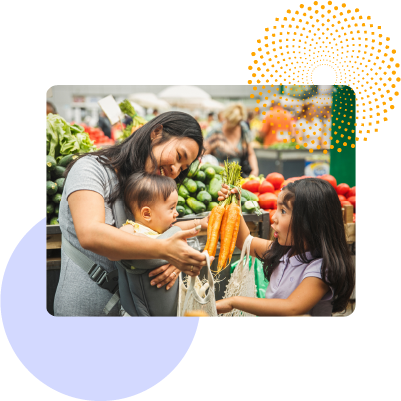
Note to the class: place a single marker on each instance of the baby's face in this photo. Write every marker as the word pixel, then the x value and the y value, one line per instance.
pixel 162 213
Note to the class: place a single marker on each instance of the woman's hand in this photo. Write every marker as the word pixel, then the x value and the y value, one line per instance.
pixel 224 305
pixel 225 191
pixel 164 275
pixel 178 253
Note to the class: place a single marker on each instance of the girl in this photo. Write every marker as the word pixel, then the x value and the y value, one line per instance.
pixel 308 265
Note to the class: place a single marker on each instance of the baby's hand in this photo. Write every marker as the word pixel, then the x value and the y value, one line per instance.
pixel 204 222
pixel 128 229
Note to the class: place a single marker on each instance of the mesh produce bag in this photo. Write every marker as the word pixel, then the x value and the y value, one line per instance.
pixel 194 298
pixel 242 281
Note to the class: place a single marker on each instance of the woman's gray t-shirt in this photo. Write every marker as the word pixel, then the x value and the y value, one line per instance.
pixel 77 294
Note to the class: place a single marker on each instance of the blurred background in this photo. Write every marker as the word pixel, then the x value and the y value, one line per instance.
pixel 288 128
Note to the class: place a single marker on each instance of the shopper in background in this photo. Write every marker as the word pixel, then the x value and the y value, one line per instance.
pixel 50 108
pixel 278 125
pixel 310 128
pixel 231 140
pixel 104 124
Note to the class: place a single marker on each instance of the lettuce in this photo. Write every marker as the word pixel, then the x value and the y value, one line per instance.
pixel 63 139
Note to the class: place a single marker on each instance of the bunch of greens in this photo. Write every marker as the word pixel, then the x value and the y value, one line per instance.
pixel 137 121
pixel 63 139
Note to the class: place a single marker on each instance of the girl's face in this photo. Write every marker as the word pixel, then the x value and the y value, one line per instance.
pixel 173 156
pixel 281 221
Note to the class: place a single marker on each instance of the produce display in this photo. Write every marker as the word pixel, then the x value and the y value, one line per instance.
pixel 224 220
pixel 63 144
pixel 198 192
pixel 97 136
pixel 267 190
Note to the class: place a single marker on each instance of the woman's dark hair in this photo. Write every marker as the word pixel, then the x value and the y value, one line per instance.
pixel 130 155
pixel 316 226
pixel 144 188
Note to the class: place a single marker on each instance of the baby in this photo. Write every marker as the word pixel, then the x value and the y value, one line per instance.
pixel 152 200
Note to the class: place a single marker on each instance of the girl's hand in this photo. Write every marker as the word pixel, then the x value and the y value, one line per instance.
pixel 164 275
pixel 224 305
pixel 225 191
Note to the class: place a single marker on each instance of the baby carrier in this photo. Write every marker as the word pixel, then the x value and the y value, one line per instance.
pixel 130 281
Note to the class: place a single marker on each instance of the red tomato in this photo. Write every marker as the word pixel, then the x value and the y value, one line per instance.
pixel 275 179
pixel 284 183
pixel 352 200
pixel 329 178
pixel 351 192
pixel 257 194
pixel 272 212
pixel 266 186
pixel 342 198
pixel 251 185
pixel 354 217
pixel 342 189
pixel 268 201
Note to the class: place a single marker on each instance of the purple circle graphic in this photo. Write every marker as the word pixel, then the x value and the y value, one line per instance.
pixel 84 357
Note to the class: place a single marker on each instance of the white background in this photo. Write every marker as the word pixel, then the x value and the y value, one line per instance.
pixel 46 43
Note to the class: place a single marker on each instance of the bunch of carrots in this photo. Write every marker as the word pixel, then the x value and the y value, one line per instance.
pixel 224 220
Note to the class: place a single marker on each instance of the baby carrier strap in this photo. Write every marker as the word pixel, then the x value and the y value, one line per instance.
pixel 137 296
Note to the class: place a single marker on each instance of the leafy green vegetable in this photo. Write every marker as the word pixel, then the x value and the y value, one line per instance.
pixel 127 108
pixel 63 139
pixel 137 121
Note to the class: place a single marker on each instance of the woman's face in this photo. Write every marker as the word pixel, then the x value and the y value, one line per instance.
pixel 282 220
pixel 173 156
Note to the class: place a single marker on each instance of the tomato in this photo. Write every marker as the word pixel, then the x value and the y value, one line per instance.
pixel 354 217
pixel 276 179
pixel 342 189
pixel 352 200
pixel 266 186
pixel 284 183
pixel 272 215
pixel 268 201
pixel 257 194
pixel 342 198
pixel 329 178
pixel 351 192
pixel 251 185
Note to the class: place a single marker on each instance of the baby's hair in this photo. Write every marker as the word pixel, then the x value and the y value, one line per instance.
pixel 143 188
pixel 317 226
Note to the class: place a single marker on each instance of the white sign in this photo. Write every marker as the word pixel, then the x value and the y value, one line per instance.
pixel 111 108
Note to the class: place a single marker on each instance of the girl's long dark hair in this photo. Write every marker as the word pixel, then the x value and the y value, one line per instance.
pixel 130 156
pixel 317 226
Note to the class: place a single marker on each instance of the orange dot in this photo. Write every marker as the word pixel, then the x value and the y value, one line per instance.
pixel 288 11
pixel 325 151
pixel 252 96
pixel 393 51
pixel 353 146
pixel 253 53
pixel 339 150
pixel 391 107
pixel 250 67
pixel 343 5
pixel 396 93
pixel 301 6
pixel 249 82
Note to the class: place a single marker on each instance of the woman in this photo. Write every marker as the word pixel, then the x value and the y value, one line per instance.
pixel 231 140
pixel 166 145
pixel 310 129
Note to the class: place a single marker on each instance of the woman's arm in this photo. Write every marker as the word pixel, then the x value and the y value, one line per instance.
pixel 88 214
pixel 303 299
pixel 253 161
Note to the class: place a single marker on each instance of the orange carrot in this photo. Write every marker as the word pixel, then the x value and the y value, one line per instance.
pixel 235 235
pixel 225 244
pixel 209 228
pixel 215 229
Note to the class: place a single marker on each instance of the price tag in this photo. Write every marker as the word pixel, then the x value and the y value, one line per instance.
pixel 111 108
